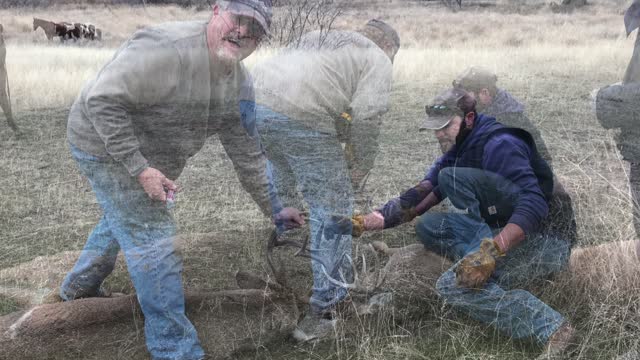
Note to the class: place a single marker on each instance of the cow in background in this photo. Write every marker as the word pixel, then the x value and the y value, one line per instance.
pixel 63 30
pixel 91 32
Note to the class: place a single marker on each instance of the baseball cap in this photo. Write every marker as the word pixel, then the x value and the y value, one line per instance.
pixel 390 32
pixel 442 109
pixel 475 78
pixel 260 10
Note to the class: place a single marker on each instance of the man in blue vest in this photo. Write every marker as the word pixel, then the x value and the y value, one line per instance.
pixel 507 228
pixel 481 83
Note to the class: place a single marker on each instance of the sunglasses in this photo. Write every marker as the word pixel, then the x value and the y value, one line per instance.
pixel 440 110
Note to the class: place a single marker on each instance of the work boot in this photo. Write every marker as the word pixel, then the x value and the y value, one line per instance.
pixel 102 293
pixel 314 327
pixel 558 342
pixel 319 324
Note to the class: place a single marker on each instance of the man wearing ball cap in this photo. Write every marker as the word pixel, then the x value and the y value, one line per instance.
pixel 329 87
pixel 508 229
pixel 131 131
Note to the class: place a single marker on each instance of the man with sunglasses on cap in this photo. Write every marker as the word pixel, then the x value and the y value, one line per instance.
pixel 481 83
pixel 313 93
pixel 504 233
pixel 131 131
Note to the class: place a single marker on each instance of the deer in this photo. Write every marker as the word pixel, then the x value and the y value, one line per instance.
pixel 263 307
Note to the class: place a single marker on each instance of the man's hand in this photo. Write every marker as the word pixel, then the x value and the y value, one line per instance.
pixel 362 223
pixel 155 184
pixel 475 269
pixel 288 218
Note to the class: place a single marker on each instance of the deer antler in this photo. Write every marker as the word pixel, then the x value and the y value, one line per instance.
pixel 358 285
pixel 303 251
pixel 275 241
pixel 343 283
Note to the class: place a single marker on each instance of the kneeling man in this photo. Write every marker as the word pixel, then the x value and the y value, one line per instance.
pixel 508 227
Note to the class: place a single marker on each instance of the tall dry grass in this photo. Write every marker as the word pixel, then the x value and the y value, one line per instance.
pixel 50 76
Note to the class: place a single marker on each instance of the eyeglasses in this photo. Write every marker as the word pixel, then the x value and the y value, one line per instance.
pixel 439 110
pixel 254 29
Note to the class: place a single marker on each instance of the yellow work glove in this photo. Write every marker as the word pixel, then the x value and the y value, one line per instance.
pixel 475 269
pixel 357 225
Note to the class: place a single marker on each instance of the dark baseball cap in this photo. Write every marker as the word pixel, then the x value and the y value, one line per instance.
pixel 442 109
pixel 260 10
pixel 476 78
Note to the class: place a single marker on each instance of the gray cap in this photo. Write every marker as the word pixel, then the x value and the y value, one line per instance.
pixel 476 78
pixel 442 109
pixel 387 30
pixel 260 10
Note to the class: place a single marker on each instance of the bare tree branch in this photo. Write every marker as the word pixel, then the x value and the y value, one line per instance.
pixel 293 18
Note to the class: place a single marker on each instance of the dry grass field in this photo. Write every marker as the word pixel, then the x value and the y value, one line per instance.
pixel 549 61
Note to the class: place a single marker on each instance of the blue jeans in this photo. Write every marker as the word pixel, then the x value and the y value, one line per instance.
pixel 313 163
pixel 501 302
pixel 144 229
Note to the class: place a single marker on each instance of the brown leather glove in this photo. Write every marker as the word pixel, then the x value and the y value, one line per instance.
pixel 357 225
pixel 475 269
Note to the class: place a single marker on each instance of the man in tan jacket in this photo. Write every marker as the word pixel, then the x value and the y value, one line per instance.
pixel 304 95
pixel 131 131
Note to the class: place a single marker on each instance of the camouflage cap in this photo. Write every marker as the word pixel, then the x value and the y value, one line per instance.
pixel 390 32
pixel 442 109
pixel 475 78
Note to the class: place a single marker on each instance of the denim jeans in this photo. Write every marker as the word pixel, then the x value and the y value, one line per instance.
pixel 144 229
pixel 313 163
pixel 501 302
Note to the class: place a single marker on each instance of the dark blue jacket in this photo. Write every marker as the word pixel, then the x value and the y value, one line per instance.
pixel 509 152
